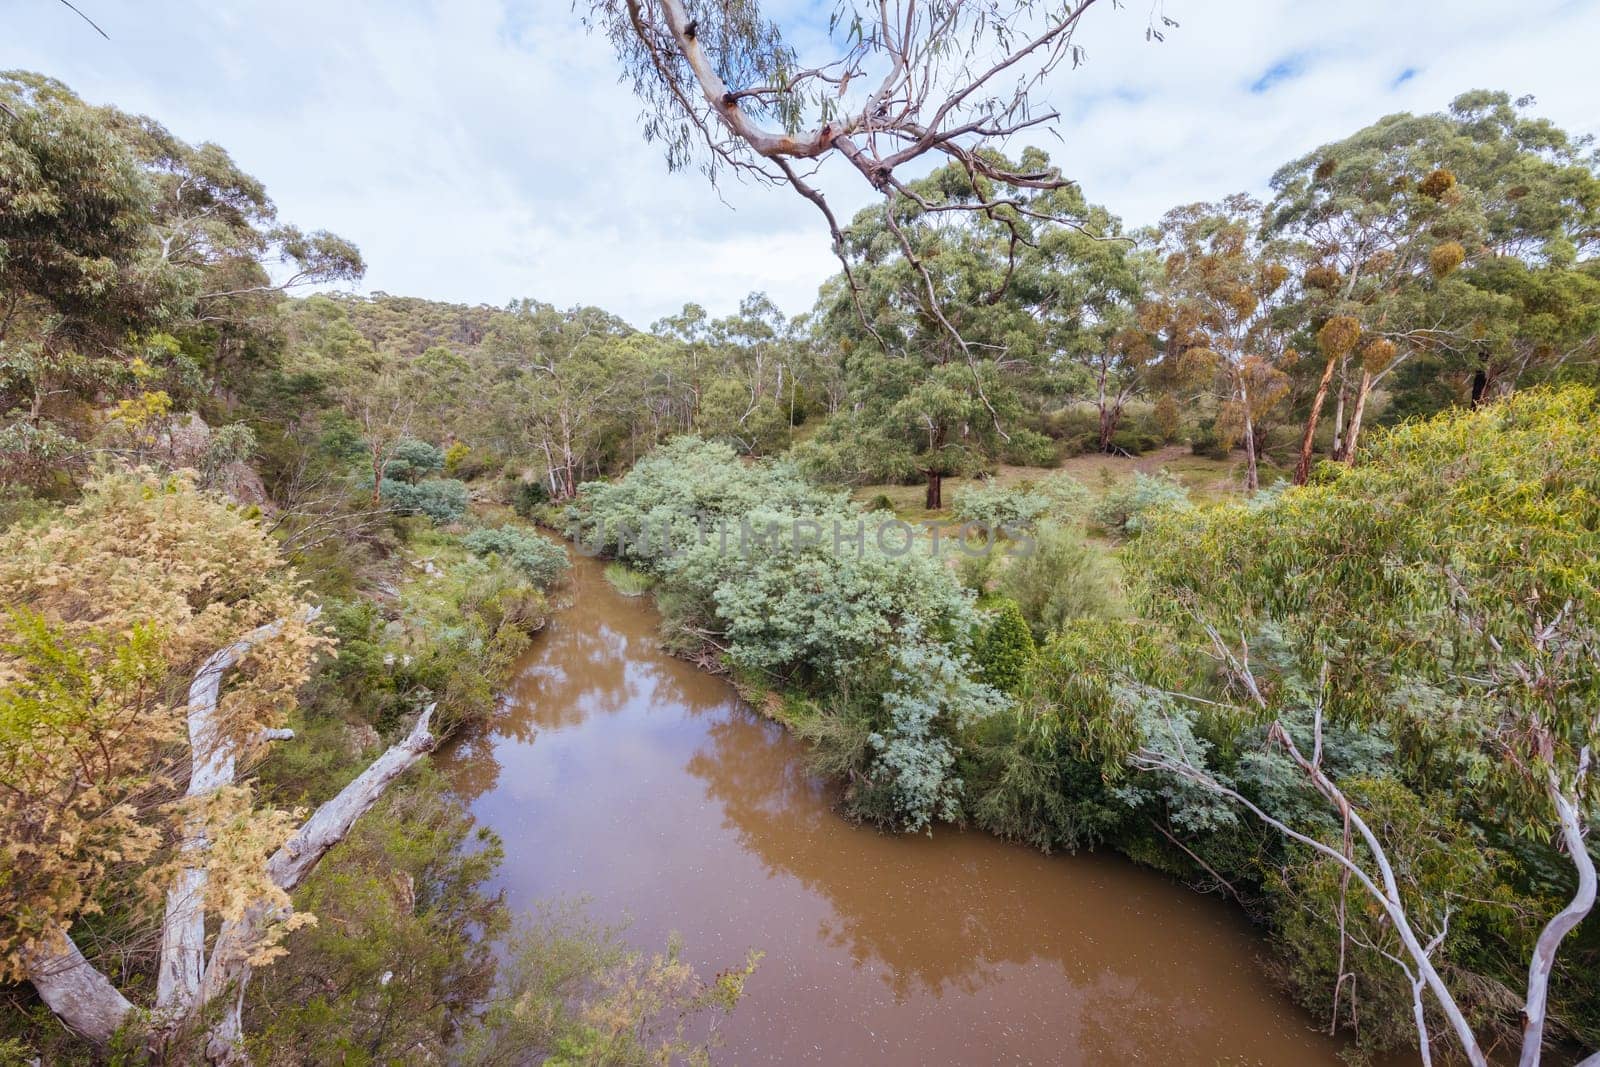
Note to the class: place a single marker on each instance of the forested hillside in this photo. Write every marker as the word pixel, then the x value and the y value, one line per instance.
pixel 1271 549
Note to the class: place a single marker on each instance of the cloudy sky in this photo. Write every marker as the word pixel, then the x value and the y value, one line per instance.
pixel 482 150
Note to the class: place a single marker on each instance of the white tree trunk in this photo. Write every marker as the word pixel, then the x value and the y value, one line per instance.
pixel 229 970
pixel 87 1001
pixel 214 758
pixel 1561 924
pixel 74 988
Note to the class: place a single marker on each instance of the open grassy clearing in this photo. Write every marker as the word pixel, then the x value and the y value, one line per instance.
pixel 1206 479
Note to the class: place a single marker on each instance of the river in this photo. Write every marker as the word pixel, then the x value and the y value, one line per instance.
pixel 620 774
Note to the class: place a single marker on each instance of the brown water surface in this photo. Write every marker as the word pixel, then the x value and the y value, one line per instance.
pixel 619 773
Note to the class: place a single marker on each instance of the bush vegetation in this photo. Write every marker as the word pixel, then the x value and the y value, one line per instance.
pixel 1261 692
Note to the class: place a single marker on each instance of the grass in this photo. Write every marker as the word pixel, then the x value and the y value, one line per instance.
pixel 428 597
pixel 628 581
pixel 1206 479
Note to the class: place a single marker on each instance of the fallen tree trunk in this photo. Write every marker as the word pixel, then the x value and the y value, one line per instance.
pixel 74 988
pixel 189 987
pixel 229 970
pixel 183 932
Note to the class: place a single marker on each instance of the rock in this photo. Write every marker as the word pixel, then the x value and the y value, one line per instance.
pixel 185 441
pixel 360 738
pixel 185 444
pixel 243 485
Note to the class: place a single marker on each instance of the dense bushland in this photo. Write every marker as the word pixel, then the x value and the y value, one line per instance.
pixel 1361 706
pixel 1292 623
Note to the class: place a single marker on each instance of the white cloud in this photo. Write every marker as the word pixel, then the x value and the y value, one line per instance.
pixel 479 151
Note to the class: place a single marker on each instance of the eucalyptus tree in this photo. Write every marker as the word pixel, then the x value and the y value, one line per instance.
pixel 132 259
pixel 751 400
pixel 568 374
pixel 675 394
pixel 724 84
pixel 1097 278
pixel 1394 223
pixel 940 337
pixel 1441 595
pixel 1220 290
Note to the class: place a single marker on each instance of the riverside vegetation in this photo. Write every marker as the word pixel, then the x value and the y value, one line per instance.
pixel 1363 706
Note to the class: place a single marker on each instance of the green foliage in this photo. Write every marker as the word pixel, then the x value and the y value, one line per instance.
pixel 1133 442
pixel 1420 585
pixel 413 460
pixel 541 561
pixel 528 497
pixel 1449 256
pixel 628 581
pixel 883 638
pixel 1206 441
pixel 1126 508
pixel 1042 769
pixel 1064 578
pixel 1029 448
pixel 456 457
pixel 1004 649
pixel 444 500
pixel 1000 507
pixel 403 951
pixel 1068 497
pixel 233 443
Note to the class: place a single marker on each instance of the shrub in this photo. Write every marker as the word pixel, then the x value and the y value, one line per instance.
pixel 1029 448
pixel 1063 579
pixel 975 572
pixel 1126 507
pixel 1206 441
pixel 1134 442
pixel 881 502
pixel 455 455
pixel 543 562
pixel 528 497
pixel 1066 494
pixel 1004 648
pixel 1077 428
pixel 883 640
pixel 443 500
pixel 413 460
pixel 996 506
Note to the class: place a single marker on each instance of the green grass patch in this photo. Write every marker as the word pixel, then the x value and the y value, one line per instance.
pixel 627 581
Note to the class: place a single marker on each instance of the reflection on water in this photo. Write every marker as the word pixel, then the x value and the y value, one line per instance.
pixel 621 774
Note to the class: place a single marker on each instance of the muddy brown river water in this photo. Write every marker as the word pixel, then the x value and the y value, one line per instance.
pixel 623 775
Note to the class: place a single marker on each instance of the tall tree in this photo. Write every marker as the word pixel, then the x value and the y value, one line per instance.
pixel 946 323
pixel 567 374
pixel 132 261
pixel 1219 293
pixel 1395 221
